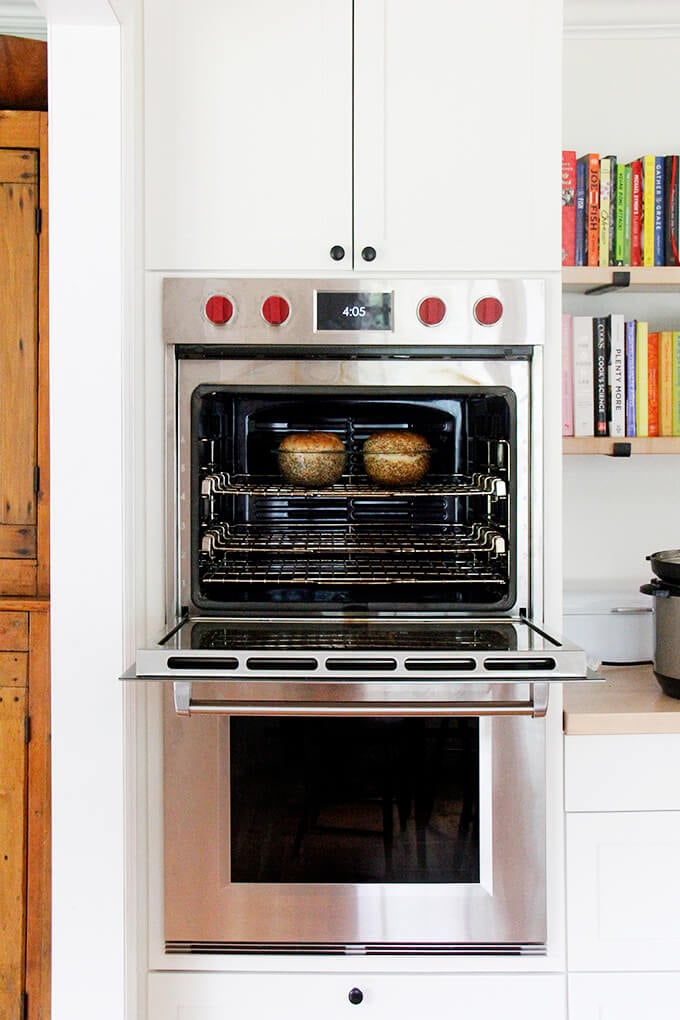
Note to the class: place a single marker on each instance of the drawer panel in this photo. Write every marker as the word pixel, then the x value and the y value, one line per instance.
pixel 13 669
pixel 14 632
pixel 631 772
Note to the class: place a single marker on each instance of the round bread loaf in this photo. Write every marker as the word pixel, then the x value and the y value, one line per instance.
pixel 312 458
pixel 396 458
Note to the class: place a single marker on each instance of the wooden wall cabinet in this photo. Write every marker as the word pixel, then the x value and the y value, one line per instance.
pixel 24 469
pixel 25 902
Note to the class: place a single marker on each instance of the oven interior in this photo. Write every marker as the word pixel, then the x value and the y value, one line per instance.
pixel 446 542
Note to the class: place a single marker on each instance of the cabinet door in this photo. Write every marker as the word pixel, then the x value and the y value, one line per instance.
pixel 18 368
pixel 208 996
pixel 248 128
pixel 12 847
pixel 623 996
pixel 623 891
pixel 457 134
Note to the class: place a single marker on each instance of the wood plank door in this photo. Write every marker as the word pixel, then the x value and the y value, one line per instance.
pixel 19 177
pixel 13 710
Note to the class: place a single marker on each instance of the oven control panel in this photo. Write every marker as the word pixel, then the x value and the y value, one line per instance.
pixel 244 311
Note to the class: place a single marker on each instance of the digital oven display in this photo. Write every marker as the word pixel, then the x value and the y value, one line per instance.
pixel 341 310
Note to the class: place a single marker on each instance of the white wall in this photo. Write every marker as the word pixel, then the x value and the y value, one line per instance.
pixel 620 88
pixel 89 480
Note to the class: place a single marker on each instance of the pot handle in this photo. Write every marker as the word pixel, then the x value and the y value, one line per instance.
pixel 657 593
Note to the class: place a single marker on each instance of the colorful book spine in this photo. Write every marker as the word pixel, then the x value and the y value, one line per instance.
pixel 619 216
pixel 617 377
pixel 627 210
pixel 636 213
pixel 647 227
pixel 659 203
pixel 592 210
pixel 580 258
pixel 671 212
pixel 653 383
pixel 582 331
pixel 605 208
pixel 641 379
pixel 567 376
pixel 568 207
pixel 600 373
pixel 631 360
pixel 665 383
pixel 676 383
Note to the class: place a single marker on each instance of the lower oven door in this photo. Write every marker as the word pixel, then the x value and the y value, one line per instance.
pixel 347 829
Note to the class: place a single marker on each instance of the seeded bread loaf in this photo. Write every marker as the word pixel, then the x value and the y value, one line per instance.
pixel 312 458
pixel 396 458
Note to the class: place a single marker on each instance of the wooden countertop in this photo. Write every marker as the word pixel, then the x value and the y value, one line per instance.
pixel 629 701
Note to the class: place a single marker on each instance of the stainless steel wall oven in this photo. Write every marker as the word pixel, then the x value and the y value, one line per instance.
pixel 364 655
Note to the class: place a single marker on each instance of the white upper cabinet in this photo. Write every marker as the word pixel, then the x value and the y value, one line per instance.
pixel 281 135
pixel 248 131
pixel 457 134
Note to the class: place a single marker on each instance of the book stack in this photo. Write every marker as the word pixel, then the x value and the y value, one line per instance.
pixel 619 377
pixel 619 214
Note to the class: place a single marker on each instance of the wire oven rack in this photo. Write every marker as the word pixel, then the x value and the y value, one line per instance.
pixel 223 483
pixel 354 554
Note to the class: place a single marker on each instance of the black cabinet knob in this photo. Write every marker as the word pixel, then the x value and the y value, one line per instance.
pixel 337 252
pixel 355 996
pixel 368 254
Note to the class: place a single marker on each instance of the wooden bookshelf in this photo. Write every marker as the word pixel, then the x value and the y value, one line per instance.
pixel 581 279
pixel 604 446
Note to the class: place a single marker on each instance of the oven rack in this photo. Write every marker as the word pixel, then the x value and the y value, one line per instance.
pixel 450 540
pixel 224 483
pixel 365 570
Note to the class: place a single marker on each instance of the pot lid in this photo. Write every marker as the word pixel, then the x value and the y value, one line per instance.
pixel 667 556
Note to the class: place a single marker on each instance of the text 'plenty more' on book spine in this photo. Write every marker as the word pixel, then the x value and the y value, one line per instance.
pixel 617 377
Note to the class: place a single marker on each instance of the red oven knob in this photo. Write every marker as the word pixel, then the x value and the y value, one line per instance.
pixel 431 311
pixel 487 311
pixel 275 310
pixel 219 309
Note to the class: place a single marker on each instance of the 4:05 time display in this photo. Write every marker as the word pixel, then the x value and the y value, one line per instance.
pixel 341 310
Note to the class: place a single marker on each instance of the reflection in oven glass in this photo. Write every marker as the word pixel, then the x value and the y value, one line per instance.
pixel 471 637
pixel 354 800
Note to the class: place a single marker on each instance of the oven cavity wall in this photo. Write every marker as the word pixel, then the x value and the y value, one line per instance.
pixel 264 195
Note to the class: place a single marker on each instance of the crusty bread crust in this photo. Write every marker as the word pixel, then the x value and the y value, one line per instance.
pixel 312 458
pixel 396 458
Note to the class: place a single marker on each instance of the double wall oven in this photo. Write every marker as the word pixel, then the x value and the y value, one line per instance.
pixel 355 669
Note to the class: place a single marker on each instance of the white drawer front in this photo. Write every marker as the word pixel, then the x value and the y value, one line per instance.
pixel 313 996
pixel 622 773
pixel 624 996
pixel 623 891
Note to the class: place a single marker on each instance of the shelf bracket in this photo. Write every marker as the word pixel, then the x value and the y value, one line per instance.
pixel 620 280
pixel 621 450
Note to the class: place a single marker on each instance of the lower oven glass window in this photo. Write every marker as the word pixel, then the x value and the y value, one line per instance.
pixel 354 800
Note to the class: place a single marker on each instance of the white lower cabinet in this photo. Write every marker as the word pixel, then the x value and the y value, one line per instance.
pixel 623 891
pixel 623 879
pixel 181 996
pixel 624 996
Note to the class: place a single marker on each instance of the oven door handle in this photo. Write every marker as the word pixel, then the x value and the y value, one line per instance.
pixel 536 706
